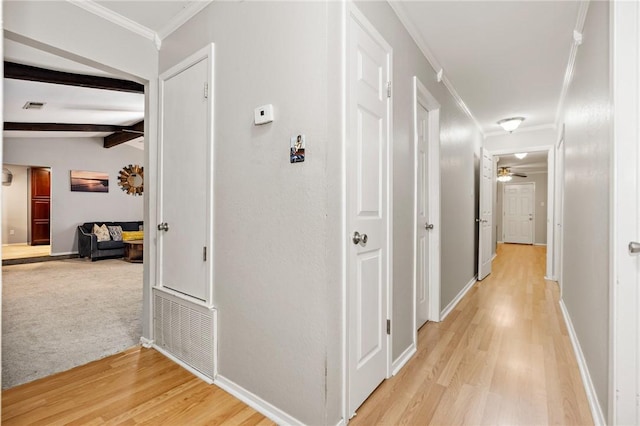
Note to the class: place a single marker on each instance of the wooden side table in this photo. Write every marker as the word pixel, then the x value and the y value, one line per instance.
pixel 133 251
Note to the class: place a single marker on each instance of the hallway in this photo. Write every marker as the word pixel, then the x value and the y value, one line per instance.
pixel 502 356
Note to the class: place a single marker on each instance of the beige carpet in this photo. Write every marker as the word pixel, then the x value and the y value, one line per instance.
pixel 61 314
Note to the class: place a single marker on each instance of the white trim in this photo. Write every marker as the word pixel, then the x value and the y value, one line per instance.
pixel 550 126
pixel 406 21
pixel 146 343
pixel 252 400
pixel 183 364
pixel 533 208
pixel 341 423
pixel 568 75
pixel 344 16
pixel 539 244
pixel 404 358
pixel 182 17
pixel 64 253
pixel 458 298
pixel 115 18
pixel 596 410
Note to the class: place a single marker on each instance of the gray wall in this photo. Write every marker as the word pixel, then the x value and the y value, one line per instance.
pixel 70 209
pixel 279 330
pixel 540 205
pixel 460 142
pixel 15 206
pixel 587 198
pixel 277 271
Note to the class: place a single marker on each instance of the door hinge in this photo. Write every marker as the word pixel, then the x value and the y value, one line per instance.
pixel 388 89
pixel 388 326
pixel 204 254
pixel 206 90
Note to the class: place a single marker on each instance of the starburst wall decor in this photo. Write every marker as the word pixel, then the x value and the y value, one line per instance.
pixel 131 179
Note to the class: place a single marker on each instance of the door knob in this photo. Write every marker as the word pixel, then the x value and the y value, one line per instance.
pixel 360 238
pixel 428 226
pixel 164 226
pixel 634 248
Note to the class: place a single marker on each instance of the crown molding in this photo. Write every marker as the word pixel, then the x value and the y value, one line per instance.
pixel 115 18
pixel 405 19
pixel 577 41
pixel 550 126
pixel 181 18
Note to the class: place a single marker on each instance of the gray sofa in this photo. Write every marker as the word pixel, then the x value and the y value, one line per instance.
pixel 88 245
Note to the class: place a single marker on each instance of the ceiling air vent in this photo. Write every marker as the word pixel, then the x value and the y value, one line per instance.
pixel 33 105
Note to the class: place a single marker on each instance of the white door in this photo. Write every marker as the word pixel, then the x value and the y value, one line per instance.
pixel 625 283
pixel 423 225
pixel 368 107
pixel 559 214
pixel 517 208
pixel 485 221
pixel 185 174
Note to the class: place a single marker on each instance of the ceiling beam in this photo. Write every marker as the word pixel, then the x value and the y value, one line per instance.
pixel 125 135
pixel 63 127
pixel 29 73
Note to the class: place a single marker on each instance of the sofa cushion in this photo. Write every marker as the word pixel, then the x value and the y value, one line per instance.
pixel 129 226
pixel 116 232
pixel 102 232
pixel 108 245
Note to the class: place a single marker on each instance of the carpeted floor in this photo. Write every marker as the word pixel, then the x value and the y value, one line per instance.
pixel 61 314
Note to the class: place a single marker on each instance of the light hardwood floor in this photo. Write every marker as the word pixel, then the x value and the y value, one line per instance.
pixel 501 357
pixel 21 251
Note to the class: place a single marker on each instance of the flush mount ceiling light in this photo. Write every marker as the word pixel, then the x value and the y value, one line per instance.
pixel 510 124
pixel 520 155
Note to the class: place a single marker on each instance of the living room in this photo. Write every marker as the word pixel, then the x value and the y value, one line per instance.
pixel 48 324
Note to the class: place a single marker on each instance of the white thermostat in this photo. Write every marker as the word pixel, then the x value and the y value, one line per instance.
pixel 263 114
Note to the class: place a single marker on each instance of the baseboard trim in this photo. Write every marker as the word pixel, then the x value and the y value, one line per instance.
pixel 341 423
pixel 255 402
pixel 494 256
pixel 596 410
pixel 403 359
pixel 540 244
pixel 458 298
pixel 146 343
pixel 182 364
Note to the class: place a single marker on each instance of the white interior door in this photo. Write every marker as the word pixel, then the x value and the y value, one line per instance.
pixel 423 225
pixel 485 221
pixel 559 214
pixel 517 207
pixel 186 184
pixel 368 111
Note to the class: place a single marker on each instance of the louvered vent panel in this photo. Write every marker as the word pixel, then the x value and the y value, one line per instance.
pixel 186 331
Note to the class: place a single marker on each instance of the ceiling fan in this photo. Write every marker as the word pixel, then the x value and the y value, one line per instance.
pixel 505 174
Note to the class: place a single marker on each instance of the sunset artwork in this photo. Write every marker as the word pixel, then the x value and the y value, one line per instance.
pixel 83 181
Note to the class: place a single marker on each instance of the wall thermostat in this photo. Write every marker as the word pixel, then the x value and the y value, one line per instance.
pixel 263 114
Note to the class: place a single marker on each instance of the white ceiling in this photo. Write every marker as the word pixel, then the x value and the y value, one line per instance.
pixel 503 58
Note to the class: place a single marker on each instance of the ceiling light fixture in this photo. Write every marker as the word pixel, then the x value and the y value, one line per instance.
pixel 504 175
pixel 510 124
pixel 33 105
pixel 520 155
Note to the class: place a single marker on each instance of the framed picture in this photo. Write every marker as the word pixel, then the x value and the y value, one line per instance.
pixel 83 181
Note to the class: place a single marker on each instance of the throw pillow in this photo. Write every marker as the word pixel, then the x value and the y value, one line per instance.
pixel 102 232
pixel 116 232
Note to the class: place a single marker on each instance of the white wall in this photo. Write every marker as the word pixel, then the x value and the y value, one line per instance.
pixel 70 209
pixel 587 198
pixel 15 206
pixel 540 205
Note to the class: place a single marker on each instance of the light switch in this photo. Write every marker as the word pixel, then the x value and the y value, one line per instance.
pixel 263 114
